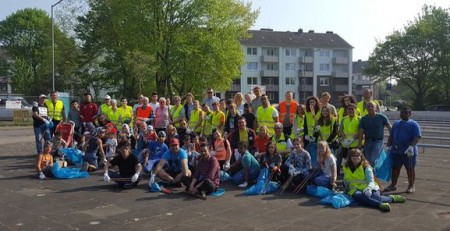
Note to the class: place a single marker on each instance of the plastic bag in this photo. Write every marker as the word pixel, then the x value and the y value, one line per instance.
pixel 383 166
pixel 318 191
pixel 262 185
pixel 74 155
pixel 337 200
pixel 68 173
pixel 224 176
pixel 155 187
pixel 219 192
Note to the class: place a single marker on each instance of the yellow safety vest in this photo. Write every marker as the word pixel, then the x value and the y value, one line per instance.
pixel 265 118
pixel 325 130
pixel 195 117
pixel 362 110
pixel 206 124
pixel 351 127
pixel 355 180
pixel 311 122
pixel 126 114
pixel 282 143
pixel 215 119
pixel 300 125
pixel 55 110
pixel 105 108
pixel 175 113
pixel 114 117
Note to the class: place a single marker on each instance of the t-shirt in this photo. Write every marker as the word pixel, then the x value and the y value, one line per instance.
pixel 46 160
pixel 127 167
pixel 250 118
pixel 248 161
pixel 328 163
pixel 111 145
pixel 243 135
pixel 157 150
pixel 174 159
pixel 42 111
pixel 261 143
pixel 403 133
pixel 374 126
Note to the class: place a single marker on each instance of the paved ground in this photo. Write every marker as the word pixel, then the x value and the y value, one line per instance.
pixel 83 204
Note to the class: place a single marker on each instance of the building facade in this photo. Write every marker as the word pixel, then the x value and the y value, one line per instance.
pixel 361 81
pixel 306 63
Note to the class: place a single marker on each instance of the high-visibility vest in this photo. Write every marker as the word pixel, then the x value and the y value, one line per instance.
pixel 355 180
pixel 206 124
pixel 114 116
pixel 126 114
pixel 311 121
pixel 217 116
pixel 105 108
pixel 265 118
pixel 362 109
pixel 194 118
pixel 142 114
pixel 175 113
pixel 292 111
pixel 351 127
pixel 55 110
pixel 325 130
pixel 300 121
pixel 282 143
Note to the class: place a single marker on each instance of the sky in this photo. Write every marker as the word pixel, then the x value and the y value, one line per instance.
pixel 360 22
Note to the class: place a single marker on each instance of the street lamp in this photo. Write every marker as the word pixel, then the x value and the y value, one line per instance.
pixel 53 46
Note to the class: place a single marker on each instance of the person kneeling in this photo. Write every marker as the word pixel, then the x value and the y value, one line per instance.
pixel 360 184
pixel 206 178
pixel 129 168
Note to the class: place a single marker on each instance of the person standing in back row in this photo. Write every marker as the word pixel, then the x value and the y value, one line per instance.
pixel 287 110
pixel 56 111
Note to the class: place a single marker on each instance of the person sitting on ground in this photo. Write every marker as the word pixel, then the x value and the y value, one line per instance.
pixel 44 162
pixel 250 167
pixel 327 164
pixel 94 145
pixel 129 168
pixel 111 145
pixel 359 183
pixel 171 133
pixel 154 152
pixel 272 160
pixel 172 166
pixel 127 135
pixel 189 147
pixel 298 165
pixel 206 178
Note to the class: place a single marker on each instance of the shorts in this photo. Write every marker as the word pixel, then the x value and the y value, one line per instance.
pixel 91 159
pixel 399 160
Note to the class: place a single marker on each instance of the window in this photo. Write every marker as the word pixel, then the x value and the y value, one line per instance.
pixel 272 66
pixel 237 81
pixel 270 52
pixel 252 66
pixel 252 81
pixel 290 81
pixel 325 53
pixel 252 51
pixel 324 81
pixel 269 80
pixel 306 81
pixel 290 66
pixel 291 52
pixel 324 67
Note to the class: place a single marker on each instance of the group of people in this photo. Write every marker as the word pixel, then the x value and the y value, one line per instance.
pixel 189 143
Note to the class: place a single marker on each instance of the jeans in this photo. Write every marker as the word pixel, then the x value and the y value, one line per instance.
pixel 312 149
pixel 208 186
pixel 373 201
pixel 39 133
pixel 372 150
pixel 238 178
pixel 322 180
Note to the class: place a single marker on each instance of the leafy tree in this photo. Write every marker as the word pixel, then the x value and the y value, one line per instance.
pixel 26 34
pixel 173 46
pixel 417 56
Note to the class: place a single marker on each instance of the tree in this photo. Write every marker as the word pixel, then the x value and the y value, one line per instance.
pixel 183 45
pixel 26 34
pixel 415 56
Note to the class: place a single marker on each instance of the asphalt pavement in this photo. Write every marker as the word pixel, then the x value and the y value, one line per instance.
pixel 28 203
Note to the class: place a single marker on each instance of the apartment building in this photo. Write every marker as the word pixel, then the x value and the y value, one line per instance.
pixel 306 63
pixel 361 81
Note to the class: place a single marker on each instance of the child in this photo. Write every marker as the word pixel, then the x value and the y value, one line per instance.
pixel 298 164
pixel 45 162
pixel 192 154
pixel 111 145
pixel 327 165
pixel 272 160
pixel 74 115
pixel 150 135
pixel 57 143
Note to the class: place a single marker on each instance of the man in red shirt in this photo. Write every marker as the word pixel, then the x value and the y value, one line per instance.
pixel 88 109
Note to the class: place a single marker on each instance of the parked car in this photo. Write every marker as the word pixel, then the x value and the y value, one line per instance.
pixel 7 114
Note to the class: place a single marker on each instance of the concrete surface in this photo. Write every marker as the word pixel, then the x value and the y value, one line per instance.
pixel 86 204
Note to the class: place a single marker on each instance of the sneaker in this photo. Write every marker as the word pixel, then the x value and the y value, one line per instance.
pixel 410 190
pixel 390 188
pixel 398 199
pixel 203 195
pixel 385 207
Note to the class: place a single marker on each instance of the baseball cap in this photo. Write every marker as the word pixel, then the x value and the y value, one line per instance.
pixel 161 134
pixel 42 96
pixel 100 129
pixel 150 127
pixel 174 141
pixel 107 97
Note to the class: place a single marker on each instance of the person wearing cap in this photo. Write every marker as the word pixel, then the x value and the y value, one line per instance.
pixel 41 123
pixel 129 168
pixel 55 108
pixel 44 162
pixel 106 106
pixel 173 165
pixel 154 152
pixel 210 98
pixel 88 109
pixel 94 145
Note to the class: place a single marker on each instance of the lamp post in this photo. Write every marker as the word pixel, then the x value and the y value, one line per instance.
pixel 53 46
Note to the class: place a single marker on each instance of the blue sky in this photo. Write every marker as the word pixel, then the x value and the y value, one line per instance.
pixel 360 22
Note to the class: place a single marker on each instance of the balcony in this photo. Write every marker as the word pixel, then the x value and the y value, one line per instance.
pixel 272 87
pixel 235 87
pixel 269 73
pixel 306 59
pixel 305 73
pixel 340 88
pixel 358 92
pixel 363 82
pixel 304 87
pixel 340 60
pixel 340 74
pixel 269 59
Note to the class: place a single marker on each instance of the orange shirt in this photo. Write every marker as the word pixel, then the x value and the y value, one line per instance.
pixel 221 151
pixel 261 143
pixel 46 160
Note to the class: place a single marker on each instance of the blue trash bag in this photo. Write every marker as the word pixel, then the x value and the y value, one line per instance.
pixel 219 192
pixel 337 200
pixel 262 185
pixel 224 176
pixel 383 166
pixel 312 149
pixel 74 155
pixel 155 187
pixel 318 191
pixel 68 173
